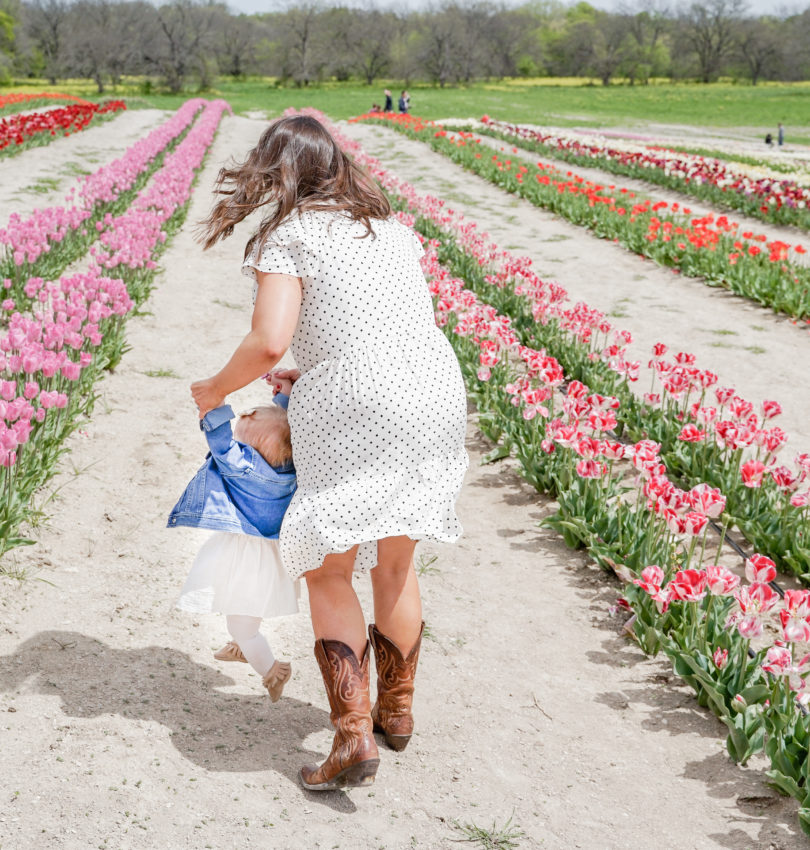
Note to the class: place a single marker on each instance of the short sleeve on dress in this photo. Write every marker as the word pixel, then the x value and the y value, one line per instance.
pixel 275 258
pixel 417 245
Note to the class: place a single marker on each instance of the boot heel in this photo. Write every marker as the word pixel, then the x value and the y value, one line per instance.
pixel 355 776
pixel 397 742
pixel 361 774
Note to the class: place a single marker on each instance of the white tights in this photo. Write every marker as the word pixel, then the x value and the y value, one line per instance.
pixel 245 631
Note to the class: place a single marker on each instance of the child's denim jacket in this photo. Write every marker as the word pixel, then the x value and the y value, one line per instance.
pixel 236 489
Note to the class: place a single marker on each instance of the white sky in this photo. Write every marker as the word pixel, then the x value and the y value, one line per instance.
pixel 759 7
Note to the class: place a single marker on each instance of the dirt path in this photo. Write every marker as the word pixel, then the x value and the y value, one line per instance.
pixel 39 177
pixel 750 347
pixel 121 731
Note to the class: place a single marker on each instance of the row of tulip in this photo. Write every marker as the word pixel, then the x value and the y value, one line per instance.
pixel 22 131
pixel 16 100
pixel 709 247
pixel 46 242
pixel 707 431
pixel 702 617
pixel 754 190
pixel 60 336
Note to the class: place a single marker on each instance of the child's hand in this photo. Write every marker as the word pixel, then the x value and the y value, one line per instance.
pixel 282 380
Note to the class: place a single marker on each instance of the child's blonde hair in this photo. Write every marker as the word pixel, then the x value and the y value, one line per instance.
pixel 267 430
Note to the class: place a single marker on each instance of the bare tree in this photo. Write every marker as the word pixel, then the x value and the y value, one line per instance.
pixel 302 43
pixel 47 22
pixel 439 47
pixel 370 47
pixel 611 45
pixel 647 23
pixel 235 43
pixel 102 40
pixel 760 45
pixel 181 42
pixel 710 29
pixel 473 24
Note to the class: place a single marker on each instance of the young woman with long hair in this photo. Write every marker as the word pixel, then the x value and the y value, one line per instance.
pixel 377 415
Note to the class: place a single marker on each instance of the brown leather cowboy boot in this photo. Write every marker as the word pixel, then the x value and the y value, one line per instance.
pixel 354 758
pixel 395 674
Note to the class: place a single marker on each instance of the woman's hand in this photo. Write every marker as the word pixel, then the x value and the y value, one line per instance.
pixel 281 380
pixel 206 395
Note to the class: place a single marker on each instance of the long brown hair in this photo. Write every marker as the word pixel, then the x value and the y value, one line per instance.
pixel 296 165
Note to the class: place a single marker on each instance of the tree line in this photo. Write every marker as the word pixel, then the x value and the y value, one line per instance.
pixel 187 42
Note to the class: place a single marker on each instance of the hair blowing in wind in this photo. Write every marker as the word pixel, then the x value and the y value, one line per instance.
pixel 296 165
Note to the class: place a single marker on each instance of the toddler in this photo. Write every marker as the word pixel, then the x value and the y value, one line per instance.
pixel 241 493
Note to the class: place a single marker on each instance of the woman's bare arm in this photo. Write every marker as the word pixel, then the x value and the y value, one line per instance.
pixel 275 316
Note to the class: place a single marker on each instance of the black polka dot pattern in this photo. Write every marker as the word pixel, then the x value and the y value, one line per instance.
pixel 378 416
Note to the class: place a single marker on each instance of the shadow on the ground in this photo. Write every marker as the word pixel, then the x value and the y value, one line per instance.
pixel 215 730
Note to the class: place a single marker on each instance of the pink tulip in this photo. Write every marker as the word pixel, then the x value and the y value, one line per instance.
pixel 759 568
pixel 688 585
pixel 721 581
pixel 752 472
pixel 720 658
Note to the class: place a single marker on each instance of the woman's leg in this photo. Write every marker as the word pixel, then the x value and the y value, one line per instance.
pixel 334 606
pixel 342 652
pixel 245 631
pixel 396 637
pixel 397 604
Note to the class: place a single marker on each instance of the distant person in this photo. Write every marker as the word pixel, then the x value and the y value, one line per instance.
pixel 780 134
pixel 375 107
pixel 403 103
pixel 769 139
pixel 389 101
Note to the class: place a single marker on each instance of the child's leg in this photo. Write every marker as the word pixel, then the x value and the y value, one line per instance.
pixel 245 631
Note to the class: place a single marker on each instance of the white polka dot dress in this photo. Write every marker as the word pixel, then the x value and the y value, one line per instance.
pixel 378 415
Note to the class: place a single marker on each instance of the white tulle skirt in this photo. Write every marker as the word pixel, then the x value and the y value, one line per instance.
pixel 239 574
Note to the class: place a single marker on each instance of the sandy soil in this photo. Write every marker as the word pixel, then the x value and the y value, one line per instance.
pixel 750 347
pixel 39 177
pixel 121 731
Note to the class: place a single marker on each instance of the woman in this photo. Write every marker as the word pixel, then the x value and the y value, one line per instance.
pixel 377 416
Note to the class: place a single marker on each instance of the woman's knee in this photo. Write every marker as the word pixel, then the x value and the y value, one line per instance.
pixel 338 567
pixel 394 557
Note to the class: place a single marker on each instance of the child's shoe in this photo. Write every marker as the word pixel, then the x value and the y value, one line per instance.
pixel 276 677
pixel 230 652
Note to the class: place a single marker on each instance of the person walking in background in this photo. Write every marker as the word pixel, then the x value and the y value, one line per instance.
pixel 403 102
pixel 389 102
pixel 780 135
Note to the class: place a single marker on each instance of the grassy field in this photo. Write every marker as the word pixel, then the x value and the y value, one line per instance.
pixel 558 101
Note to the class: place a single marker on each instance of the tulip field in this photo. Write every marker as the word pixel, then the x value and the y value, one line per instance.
pixel 711 247
pixel 64 326
pixel 685 491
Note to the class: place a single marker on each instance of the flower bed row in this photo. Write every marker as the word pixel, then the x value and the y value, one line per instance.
pixel 707 431
pixel 702 617
pixel 755 191
pixel 20 132
pixel 707 247
pixel 16 100
pixel 60 336
pixel 45 243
